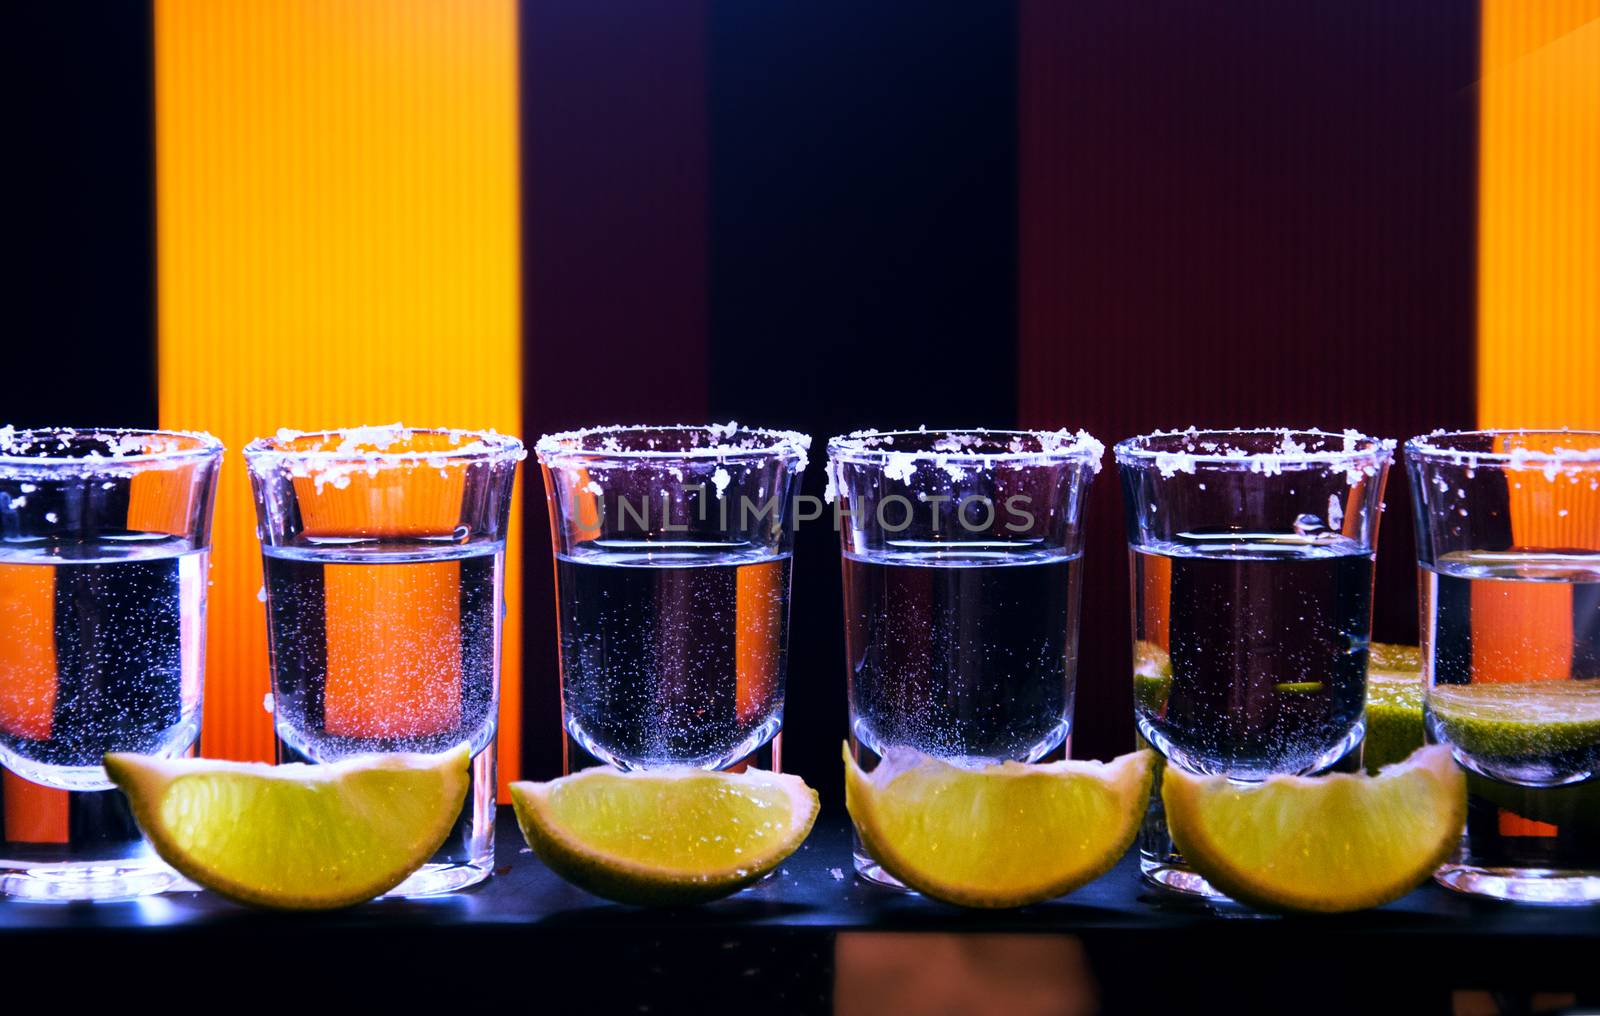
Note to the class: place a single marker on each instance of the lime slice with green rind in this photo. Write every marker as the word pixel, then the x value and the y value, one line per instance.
pixel 665 837
pixel 296 837
pixel 1391 657
pixel 1152 676
pixel 1152 683
pixel 1394 705
pixel 1517 720
pixel 1323 844
pixel 1003 835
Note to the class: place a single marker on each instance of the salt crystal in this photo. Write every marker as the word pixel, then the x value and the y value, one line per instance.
pixel 900 466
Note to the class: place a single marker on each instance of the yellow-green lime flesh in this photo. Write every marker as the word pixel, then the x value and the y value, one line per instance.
pixel 667 836
pixel 1152 676
pixel 1322 844
pixel 1394 705
pixel 1393 658
pixel 296 837
pixel 1003 835
pixel 1518 720
pixel 1394 719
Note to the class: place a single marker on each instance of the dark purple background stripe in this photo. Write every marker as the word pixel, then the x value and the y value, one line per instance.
pixel 1242 214
pixel 614 259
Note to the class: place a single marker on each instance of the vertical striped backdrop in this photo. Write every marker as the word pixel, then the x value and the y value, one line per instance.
pixel 541 214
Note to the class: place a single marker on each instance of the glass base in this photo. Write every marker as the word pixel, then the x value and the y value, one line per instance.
pixel 102 880
pixel 760 749
pixel 577 755
pixel 1544 886
pixel 434 879
pixel 1160 864
pixel 467 856
pixel 873 872
pixel 1169 875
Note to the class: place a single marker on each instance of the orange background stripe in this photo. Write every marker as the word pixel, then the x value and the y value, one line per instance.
pixel 379 685
pixel 1539 215
pixel 32 813
pixel 338 243
pixel 758 607
pixel 1538 262
pixel 27 650
pixel 1538 298
pixel 35 813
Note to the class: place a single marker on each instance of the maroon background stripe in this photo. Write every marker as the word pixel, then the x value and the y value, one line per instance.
pixel 1252 213
pixel 614 258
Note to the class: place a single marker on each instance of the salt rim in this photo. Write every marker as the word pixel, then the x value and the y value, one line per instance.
pixel 1548 462
pixel 1358 454
pixel 126 447
pixel 728 441
pixel 866 447
pixel 487 443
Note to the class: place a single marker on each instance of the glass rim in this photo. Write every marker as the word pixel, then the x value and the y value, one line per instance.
pixel 1424 448
pixel 875 447
pixel 567 446
pixel 486 445
pixel 201 446
pixel 1356 450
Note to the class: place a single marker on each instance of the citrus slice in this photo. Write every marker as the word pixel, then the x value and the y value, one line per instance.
pixel 1526 719
pixel 1152 676
pixel 1394 705
pixel 295 837
pixel 1003 835
pixel 1393 658
pixel 1325 844
pixel 664 837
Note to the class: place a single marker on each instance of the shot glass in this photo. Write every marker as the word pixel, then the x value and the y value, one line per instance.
pixel 383 557
pixel 1251 555
pixel 962 572
pixel 672 567
pixel 1508 565
pixel 104 537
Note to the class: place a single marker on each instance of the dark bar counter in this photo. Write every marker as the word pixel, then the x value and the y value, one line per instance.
pixel 527 939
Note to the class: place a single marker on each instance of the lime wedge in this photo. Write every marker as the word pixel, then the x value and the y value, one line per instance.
pixel 1391 657
pixel 1325 844
pixel 1298 687
pixel 1394 705
pixel 295 837
pixel 1152 676
pixel 1002 835
pixel 1521 719
pixel 663 837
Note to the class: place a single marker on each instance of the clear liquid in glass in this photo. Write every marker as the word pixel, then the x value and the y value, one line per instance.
pixel 672 654
pixel 1512 640
pixel 967 655
pixel 386 648
pixel 102 649
pixel 1253 650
